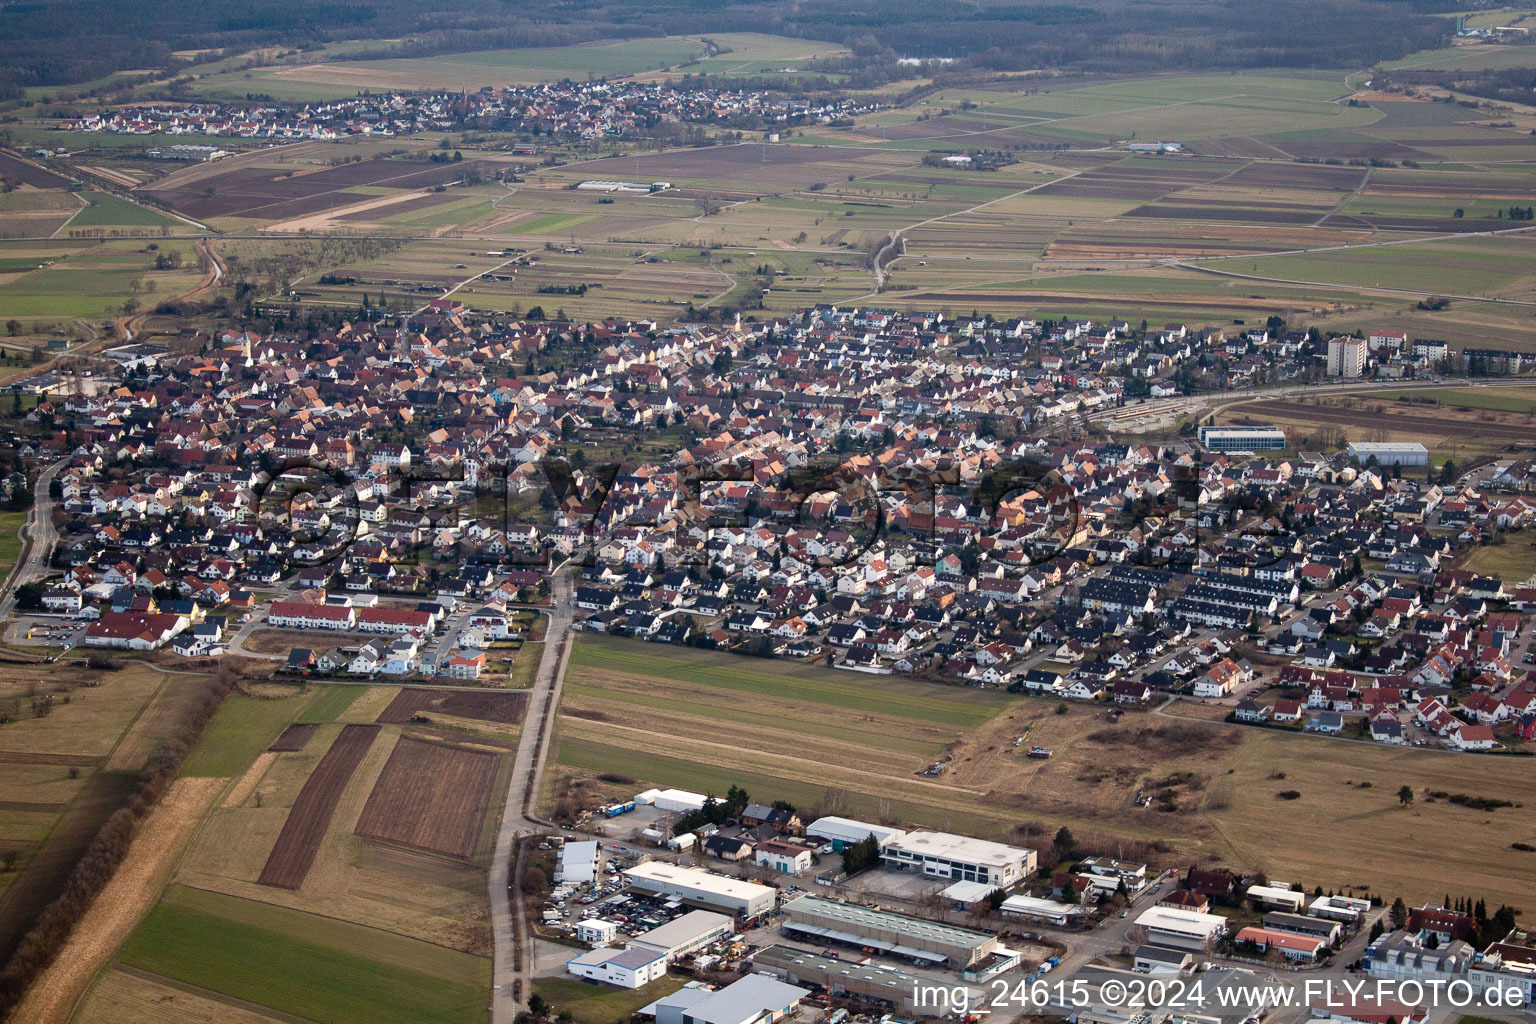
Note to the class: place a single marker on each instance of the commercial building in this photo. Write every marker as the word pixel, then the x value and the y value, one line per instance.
pixel 1036 909
pixel 844 832
pixel 1339 908
pixel 1505 966
pixel 1303 948
pixel 1277 897
pixel 897 934
pixel 1242 439
pixel 702 888
pixel 1181 929
pixel 1346 357
pixel 965 895
pixel 1404 955
pixel 596 932
pixel 634 967
pixel 791 858
pixel 1324 928
pixel 675 800
pixel 943 855
pixel 755 999
pixel 578 863
pixel 1391 453
pixel 1162 960
pixel 687 934
pixel 846 981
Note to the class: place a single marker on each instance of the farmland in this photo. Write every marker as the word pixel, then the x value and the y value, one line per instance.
pixel 104 209
pixel 69 758
pixel 431 796
pixel 72 280
pixel 1501 426
pixel 1394 203
pixel 457 71
pixel 295 963
pixel 658 719
pixel 412 866
pixel 503 708
pixel 294 739
pixel 243 727
pixel 311 813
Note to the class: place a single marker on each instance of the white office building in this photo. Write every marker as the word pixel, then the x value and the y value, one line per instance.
pixel 1277 897
pixel 1242 439
pixel 961 858
pixel 597 932
pixel 1181 929
pixel 634 967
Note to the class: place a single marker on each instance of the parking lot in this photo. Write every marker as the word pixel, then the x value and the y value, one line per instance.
pixel 46 631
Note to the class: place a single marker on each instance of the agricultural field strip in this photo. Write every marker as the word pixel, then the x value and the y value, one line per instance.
pixel 701 703
pixel 916 701
pixel 789 764
pixel 431 796
pixel 306 976
pixel 310 816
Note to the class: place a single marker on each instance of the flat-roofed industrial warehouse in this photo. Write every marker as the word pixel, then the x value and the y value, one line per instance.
pixel 945 855
pixel 893 988
pixel 693 931
pixel 899 934
pixel 696 886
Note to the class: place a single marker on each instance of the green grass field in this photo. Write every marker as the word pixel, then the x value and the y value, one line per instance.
pixel 242 729
pixel 842 690
pixel 108 210
pixel 331 703
pixel 10 544
pixel 294 963
pixel 601 1004
pixel 1498 399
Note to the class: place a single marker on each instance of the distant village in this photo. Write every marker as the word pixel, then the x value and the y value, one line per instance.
pixel 584 110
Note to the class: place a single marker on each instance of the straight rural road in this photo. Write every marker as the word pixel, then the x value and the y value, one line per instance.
pixel 511 973
pixel 37 539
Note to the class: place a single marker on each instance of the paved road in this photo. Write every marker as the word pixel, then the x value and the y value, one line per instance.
pixel 37 539
pixel 511 972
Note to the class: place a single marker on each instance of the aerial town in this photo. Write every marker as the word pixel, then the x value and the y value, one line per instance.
pixel 887 494
pixel 590 512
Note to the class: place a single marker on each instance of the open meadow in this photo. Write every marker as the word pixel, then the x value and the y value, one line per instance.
pixel 635 715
